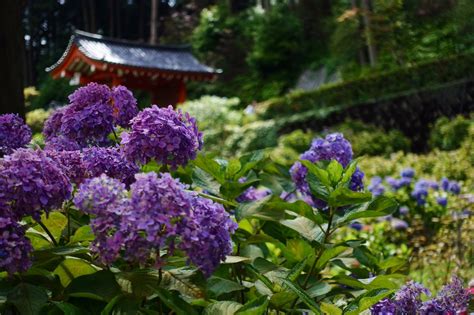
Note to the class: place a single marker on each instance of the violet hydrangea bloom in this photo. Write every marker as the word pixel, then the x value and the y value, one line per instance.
pixel 71 164
pixel 15 248
pixel 61 143
pixel 442 201
pixel 453 297
pixel 333 147
pixel 252 193
pixel 408 298
pixel 109 161
pixel 376 187
pixel 14 133
pixel 52 125
pixel 408 172
pixel 207 231
pixel 124 106
pixel 105 198
pixel 163 135
pixel 384 307
pixel 89 125
pixel 31 182
pixel 92 93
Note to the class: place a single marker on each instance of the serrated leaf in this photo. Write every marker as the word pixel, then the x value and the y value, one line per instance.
pixel 366 301
pixel 222 308
pixel 100 286
pixel 295 272
pixel 218 286
pixel 259 210
pixel 205 181
pixel 328 254
pixel 211 167
pixel 330 309
pixel 305 227
pixel 67 308
pixel 175 302
pixel 380 206
pixel 334 170
pixel 82 234
pixel 305 298
pixel 55 222
pixel 257 306
pixel 297 250
pixel 28 299
pixel 236 259
pixel 343 196
pixel 318 289
pixel 71 268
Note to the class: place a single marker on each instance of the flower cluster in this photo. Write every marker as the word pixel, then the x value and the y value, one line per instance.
pixel 164 135
pixel 421 188
pixel 333 147
pixel 156 213
pixel 14 133
pixel 452 298
pixel 15 248
pixel 90 117
pixel 109 161
pixel 30 182
pixel 252 193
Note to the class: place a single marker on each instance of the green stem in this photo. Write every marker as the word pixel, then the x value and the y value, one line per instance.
pixel 48 232
pixel 318 255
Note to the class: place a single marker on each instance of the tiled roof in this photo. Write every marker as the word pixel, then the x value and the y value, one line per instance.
pixel 127 53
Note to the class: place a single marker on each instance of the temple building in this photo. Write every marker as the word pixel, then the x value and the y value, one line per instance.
pixel 161 70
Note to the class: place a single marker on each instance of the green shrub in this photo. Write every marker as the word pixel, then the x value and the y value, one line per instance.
pixel 36 118
pixel 449 133
pixel 373 87
pixel 52 90
pixel 253 136
pixel 367 139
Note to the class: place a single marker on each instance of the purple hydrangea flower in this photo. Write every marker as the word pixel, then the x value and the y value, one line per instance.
pixel 61 143
pixel 356 225
pixel 105 198
pixel 396 184
pixel 408 172
pixel 14 133
pixel 92 93
pixel 404 210
pixel 52 125
pixel 376 187
pixel 444 183
pixel 442 201
pixel 398 224
pixel 420 191
pixel 163 135
pixel 124 106
pixel 356 183
pixel 454 188
pixel 15 248
pixel 333 147
pixel 431 307
pixel 384 307
pixel 31 182
pixel 453 297
pixel 111 162
pixel 253 194
pixel 87 125
pixel 207 231
pixel 408 298
pixel 71 164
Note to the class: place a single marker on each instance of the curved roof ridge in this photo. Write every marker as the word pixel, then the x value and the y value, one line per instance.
pixel 92 36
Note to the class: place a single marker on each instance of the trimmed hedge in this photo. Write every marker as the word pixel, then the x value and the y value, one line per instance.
pixel 376 87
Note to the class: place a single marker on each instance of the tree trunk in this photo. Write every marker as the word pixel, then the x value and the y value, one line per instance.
pixel 154 22
pixel 141 20
pixel 111 18
pixel 93 27
pixel 367 10
pixel 11 58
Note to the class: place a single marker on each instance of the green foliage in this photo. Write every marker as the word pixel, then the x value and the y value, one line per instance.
pixel 36 118
pixel 366 139
pixel 450 133
pixel 339 96
pixel 253 136
pixel 52 90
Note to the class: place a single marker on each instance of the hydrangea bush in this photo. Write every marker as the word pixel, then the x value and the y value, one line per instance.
pixel 119 214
